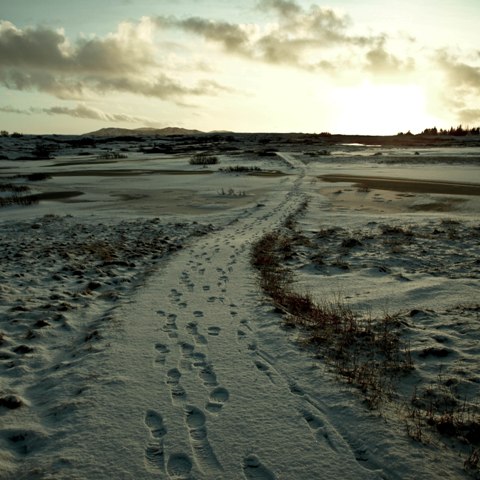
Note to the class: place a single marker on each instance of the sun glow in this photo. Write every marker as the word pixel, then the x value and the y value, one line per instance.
pixel 381 109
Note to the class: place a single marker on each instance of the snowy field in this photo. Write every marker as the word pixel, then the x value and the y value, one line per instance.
pixel 136 342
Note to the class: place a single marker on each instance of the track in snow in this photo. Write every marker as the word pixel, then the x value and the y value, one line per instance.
pixel 216 404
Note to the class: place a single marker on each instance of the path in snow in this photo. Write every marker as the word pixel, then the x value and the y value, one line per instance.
pixel 197 393
pixel 194 378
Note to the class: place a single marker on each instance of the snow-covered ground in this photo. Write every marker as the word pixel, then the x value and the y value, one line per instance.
pixel 136 343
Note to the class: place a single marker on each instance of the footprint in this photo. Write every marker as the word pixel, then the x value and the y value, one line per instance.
pixel 296 390
pixel 170 326
pixel 192 328
pixel 187 349
pixel 197 430
pixel 154 422
pixel 241 335
pixel 23 441
pixel 244 322
pixel 154 453
pixel 263 367
pixel 200 339
pixel 317 426
pixel 254 470
pixel 195 417
pixel 179 467
pixel 199 359
pixel 173 376
pixel 160 347
pixel 214 331
pixel 177 392
pixel 162 353
pixel 218 397
pixel 208 376
pixel 313 422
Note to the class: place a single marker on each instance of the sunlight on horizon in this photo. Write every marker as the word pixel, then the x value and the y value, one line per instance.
pixel 370 109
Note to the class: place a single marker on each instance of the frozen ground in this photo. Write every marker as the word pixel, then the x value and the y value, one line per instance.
pixel 136 343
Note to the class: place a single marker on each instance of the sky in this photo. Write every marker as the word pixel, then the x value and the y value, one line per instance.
pixel 339 66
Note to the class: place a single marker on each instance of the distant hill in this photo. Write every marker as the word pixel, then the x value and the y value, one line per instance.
pixel 118 132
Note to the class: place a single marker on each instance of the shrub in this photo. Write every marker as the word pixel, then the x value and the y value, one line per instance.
pixel 240 169
pixel 43 151
pixel 203 159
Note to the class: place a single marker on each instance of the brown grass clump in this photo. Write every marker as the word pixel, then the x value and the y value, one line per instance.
pixel 203 159
pixel 365 352
pixel 438 408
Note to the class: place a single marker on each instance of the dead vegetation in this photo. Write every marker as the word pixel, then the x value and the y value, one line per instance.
pixel 203 159
pixel 240 169
pixel 371 354
pixel 231 192
pixel 366 352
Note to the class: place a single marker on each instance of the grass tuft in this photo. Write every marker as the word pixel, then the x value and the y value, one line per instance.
pixel 203 159
pixel 366 352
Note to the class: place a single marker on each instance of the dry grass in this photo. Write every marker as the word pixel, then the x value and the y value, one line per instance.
pixel 437 408
pixel 231 193
pixel 203 159
pixel 240 169
pixel 366 352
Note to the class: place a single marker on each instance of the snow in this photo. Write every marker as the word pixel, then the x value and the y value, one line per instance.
pixel 139 345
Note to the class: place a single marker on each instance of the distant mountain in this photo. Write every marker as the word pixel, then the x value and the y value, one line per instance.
pixel 118 132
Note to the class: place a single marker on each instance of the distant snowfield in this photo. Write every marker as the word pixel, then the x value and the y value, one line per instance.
pixel 135 341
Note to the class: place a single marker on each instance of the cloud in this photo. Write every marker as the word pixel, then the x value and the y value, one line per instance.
pixel 284 7
pixel 232 37
pixel 469 116
pixel 10 109
pixel 125 61
pixel 125 51
pixel 81 110
pixel 460 86
pixel 381 62
pixel 459 74
pixel 305 38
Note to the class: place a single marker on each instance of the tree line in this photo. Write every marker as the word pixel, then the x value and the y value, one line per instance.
pixel 459 131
